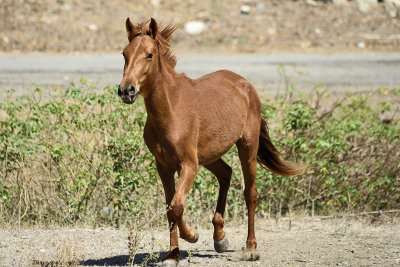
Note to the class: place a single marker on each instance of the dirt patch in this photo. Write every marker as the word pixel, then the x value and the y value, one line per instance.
pixel 76 25
pixel 318 242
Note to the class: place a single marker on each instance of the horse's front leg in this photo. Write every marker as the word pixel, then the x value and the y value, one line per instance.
pixel 167 178
pixel 187 174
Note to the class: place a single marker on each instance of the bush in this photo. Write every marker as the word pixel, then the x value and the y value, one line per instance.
pixel 79 157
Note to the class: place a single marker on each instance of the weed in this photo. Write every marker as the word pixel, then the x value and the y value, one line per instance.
pixel 67 158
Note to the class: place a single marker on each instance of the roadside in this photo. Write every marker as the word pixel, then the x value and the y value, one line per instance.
pixel 220 26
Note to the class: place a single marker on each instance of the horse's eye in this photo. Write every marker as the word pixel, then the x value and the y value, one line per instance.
pixel 149 56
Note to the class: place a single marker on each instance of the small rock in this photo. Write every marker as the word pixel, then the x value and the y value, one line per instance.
pixel 203 15
pixel 317 31
pixel 338 1
pixel 245 9
pixel 42 250
pixel 397 261
pixel 361 45
pixel 271 31
pixel 93 27
pixel 46 20
pixel 311 2
pixel 365 5
pixel 155 3
pixel 5 39
pixel 195 27
pixel 66 7
pixel 393 7
pixel 261 6
pixel 305 44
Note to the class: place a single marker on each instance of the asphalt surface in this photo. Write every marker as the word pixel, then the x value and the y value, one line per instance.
pixel 339 72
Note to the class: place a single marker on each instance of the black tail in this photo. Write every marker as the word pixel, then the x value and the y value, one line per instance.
pixel 268 155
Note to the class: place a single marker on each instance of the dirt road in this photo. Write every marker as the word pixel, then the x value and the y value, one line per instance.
pixel 317 243
pixel 340 72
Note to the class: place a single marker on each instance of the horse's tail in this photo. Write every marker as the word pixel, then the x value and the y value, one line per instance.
pixel 268 155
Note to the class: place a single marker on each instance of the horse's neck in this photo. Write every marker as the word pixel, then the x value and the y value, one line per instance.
pixel 159 102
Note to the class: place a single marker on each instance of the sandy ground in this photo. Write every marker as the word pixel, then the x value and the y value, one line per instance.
pixel 308 243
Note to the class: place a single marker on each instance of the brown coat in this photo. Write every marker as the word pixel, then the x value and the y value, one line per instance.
pixel 195 122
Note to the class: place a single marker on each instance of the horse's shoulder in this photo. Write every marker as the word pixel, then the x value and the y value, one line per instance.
pixel 148 134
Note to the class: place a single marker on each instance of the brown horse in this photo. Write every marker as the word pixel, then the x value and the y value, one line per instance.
pixel 195 122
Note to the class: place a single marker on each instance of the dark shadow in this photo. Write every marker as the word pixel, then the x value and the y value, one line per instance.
pixel 122 260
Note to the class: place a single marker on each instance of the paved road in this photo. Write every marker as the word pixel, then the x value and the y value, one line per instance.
pixel 340 72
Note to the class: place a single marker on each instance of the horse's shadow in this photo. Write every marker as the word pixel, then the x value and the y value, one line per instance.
pixel 123 260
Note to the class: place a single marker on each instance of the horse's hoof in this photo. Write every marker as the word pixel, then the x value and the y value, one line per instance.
pixel 222 245
pixel 168 263
pixel 196 237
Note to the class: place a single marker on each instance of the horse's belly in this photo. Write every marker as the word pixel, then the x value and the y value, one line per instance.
pixel 210 155
pixel 215 144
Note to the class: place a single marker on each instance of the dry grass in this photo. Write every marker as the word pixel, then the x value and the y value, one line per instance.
pixel 67 253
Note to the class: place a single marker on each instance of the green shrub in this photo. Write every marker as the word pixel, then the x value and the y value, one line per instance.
pixel 79 157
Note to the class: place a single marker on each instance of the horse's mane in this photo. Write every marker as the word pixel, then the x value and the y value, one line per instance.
pixel 163 39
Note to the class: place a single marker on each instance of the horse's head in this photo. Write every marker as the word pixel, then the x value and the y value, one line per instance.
pixel 140 56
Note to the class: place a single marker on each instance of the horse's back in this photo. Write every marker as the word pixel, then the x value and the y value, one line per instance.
pixel 226 102
pixel 226 85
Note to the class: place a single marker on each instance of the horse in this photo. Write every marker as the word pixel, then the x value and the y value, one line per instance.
pixel 193 122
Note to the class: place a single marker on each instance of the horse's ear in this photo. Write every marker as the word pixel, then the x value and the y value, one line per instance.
pixel 153 28
pixel 130 29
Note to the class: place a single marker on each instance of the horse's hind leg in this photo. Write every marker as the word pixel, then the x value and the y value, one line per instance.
pixel 223 172
pixel 248 158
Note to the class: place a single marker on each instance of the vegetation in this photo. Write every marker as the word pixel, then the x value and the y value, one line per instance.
pixel 78 156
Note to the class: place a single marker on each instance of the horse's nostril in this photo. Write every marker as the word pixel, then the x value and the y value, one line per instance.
pixel 119 91
pixel 131 88
pixel 129 91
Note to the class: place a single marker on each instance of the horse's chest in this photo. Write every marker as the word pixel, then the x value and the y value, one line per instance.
pixel 161 148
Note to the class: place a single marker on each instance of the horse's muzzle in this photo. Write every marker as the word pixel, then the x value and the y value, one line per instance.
pixel 128 95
